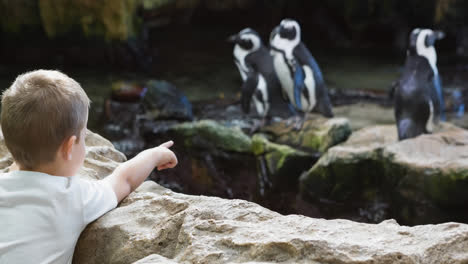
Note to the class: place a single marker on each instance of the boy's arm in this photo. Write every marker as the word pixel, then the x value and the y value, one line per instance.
pixel 130 174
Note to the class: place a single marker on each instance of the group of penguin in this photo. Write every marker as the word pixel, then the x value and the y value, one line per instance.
pixel 286 75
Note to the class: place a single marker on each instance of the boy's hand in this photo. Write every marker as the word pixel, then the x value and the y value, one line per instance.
pixel 167 158
pixel 13 167
pixel 130 174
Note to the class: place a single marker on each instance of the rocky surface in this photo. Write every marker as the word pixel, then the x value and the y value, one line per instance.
pixel 423 178
pixel 101 157
pixel 181 228
pixel 156 225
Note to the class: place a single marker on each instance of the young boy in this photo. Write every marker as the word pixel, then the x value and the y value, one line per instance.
pixel 43 206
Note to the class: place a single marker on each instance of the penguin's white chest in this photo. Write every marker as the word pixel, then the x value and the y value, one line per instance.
pixel 240 55
pixel 284 74
pixel 309 83
pixel 287 83
pixel 260 97
pixel 430 120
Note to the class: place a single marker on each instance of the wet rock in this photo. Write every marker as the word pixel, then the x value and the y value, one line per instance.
pixel 279 165
pixel 200 229
pixel 124 91
pixel 164 101
pixel 212 135
pixel 213 159
pixel 425 178
pixel 317 134
pixel 203 134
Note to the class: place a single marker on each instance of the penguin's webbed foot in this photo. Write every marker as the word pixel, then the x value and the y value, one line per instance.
pixel 256 126
pixel 299 124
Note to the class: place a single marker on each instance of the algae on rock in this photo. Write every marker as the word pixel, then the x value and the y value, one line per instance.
pixel 212 135
pixel 317 134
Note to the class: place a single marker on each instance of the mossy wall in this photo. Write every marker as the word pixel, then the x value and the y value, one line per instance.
pixel 119 19
pixel 108 19
pixel 111 19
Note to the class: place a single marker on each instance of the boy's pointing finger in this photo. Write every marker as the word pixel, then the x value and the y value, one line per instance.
pixel 167 144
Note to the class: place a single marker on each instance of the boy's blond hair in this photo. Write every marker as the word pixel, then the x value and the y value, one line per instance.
pixel 39 111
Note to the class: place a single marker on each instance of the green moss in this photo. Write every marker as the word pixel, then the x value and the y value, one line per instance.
pixel 258 144
pixel 210 134
pixel 313 140
pixel 109 19
pixel 447 190
pixel 153 4
pixel 283 162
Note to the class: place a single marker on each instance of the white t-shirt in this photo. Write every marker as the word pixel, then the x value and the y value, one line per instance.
pixel 42 216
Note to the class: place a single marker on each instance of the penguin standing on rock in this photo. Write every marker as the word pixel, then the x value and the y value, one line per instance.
pixel 260 83
pixel 299 74
pixel 418 96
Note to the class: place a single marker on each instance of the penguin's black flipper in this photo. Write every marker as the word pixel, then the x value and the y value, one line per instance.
pixel 304 57
pixel 391 91
pixel 324 105
pixel 248 89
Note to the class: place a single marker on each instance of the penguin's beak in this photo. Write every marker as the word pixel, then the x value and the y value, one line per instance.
pixel 436 35
pixel 232 39
pixel 274 32
pixel 439 34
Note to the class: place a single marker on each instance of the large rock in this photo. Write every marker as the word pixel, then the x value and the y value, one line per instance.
pixel 425 178
pixel 317 134
pixel 197 229
pixel 213 159
pixel 101 157
pixel 209 134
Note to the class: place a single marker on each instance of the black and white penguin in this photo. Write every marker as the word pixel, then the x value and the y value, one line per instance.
pixel 260 83
pixel 299 74
pixel 418 94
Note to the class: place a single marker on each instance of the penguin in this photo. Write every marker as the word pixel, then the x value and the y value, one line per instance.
pixel 300 76
pixel 418 97
pixel 260 83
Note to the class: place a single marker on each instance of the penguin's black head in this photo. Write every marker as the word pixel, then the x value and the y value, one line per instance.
pixel 289 29
pixel 247 39
pixel 421 39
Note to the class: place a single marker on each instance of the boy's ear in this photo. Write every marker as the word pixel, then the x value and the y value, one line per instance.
pixel 67 147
